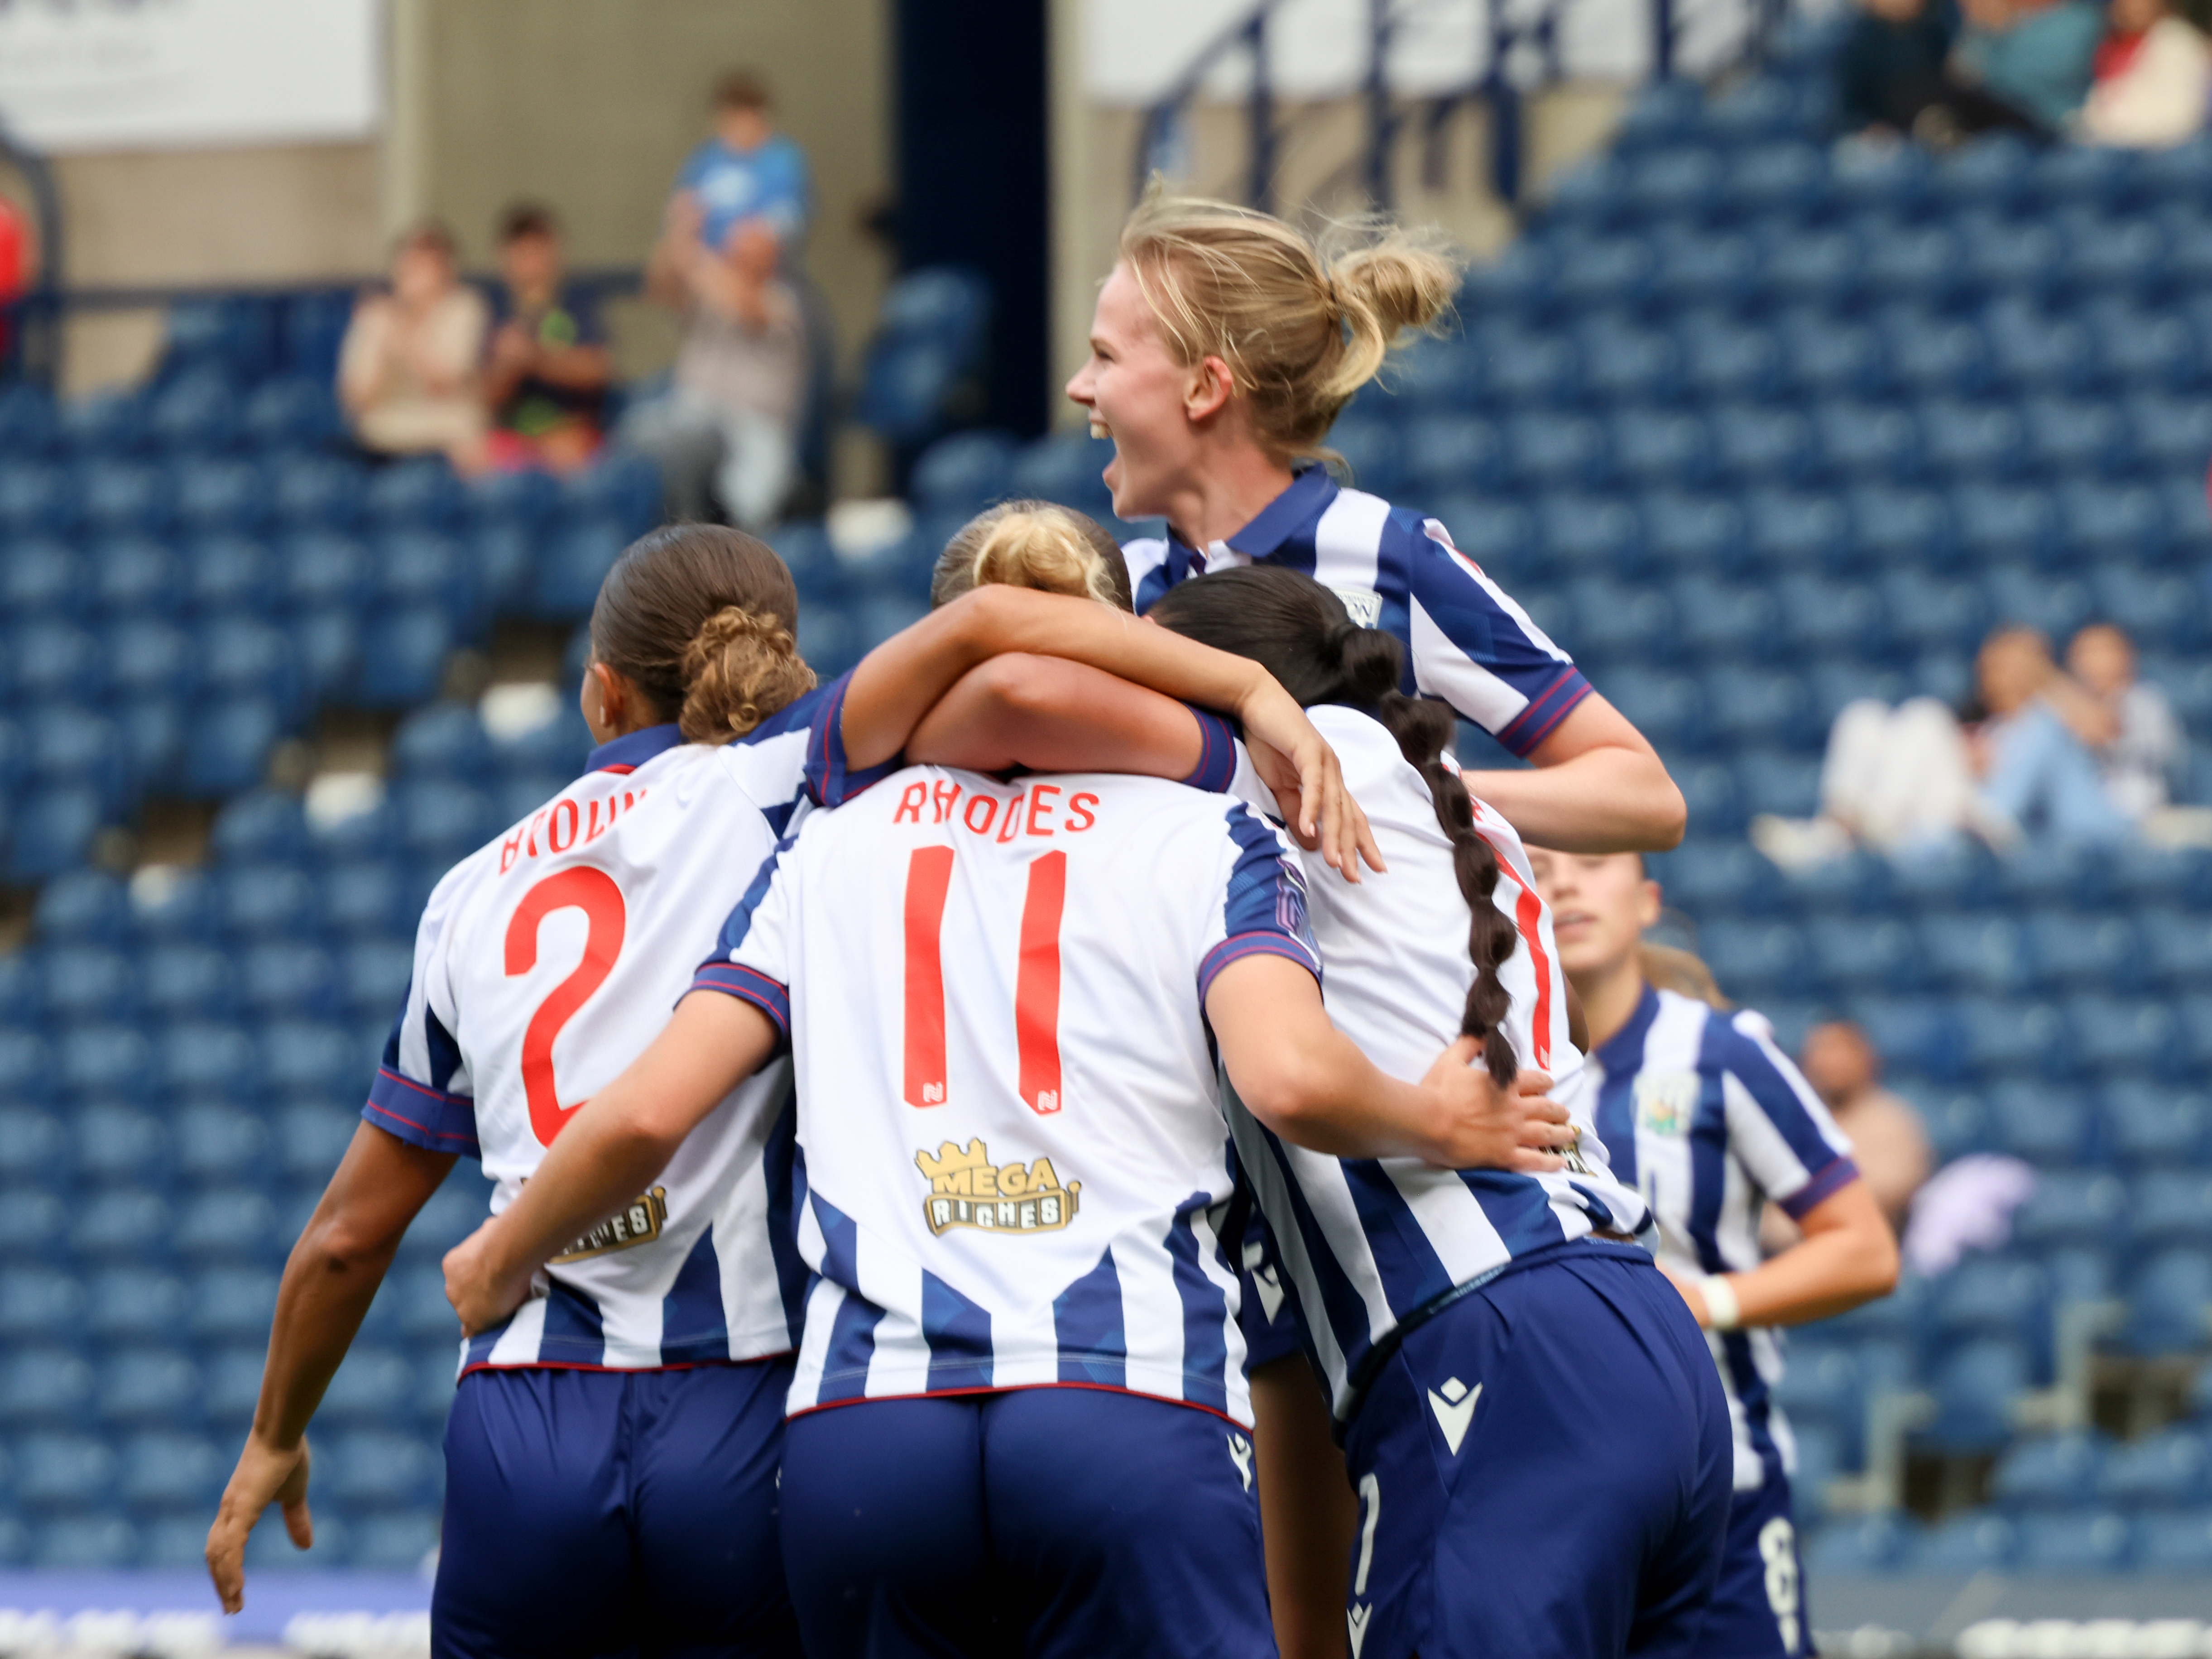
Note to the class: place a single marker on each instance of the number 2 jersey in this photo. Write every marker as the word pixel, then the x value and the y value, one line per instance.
pixel 1014 1167
pixel 1368 1245
pixel 544 964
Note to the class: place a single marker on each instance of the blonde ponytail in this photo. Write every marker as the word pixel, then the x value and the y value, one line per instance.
pixel 1672 969
pixel 1038 544
pixel 740 668
pixel 1303 323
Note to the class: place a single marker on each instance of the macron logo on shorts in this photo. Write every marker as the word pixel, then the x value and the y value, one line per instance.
pixel 1454 1404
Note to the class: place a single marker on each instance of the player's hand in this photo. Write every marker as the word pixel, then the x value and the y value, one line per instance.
pixel 1293 760
pixel 480 1293
pixel 1480 1125
pixel 265 1475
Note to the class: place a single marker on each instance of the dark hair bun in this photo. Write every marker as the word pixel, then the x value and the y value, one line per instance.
pixel 1372 661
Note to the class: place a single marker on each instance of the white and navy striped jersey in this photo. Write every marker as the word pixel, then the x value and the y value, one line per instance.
pixel 1014 1169
pixel 545 963
pixel 1363 1244
pixel 1467 642
pixel 1712 1121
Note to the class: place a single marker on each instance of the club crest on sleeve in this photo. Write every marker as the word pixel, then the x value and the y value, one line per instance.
pixel 1666 1101
pixel 966 1190
pixel 1363 605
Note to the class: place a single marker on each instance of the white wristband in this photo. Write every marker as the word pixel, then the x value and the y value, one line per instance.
pixel 1723 1311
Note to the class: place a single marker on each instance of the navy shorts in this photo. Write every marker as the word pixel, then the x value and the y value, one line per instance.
pixel 1759 1609
pixel 592 1513
pixel 1048 1522
pixel 1543 1470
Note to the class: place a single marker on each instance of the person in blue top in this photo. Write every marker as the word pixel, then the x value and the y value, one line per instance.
pixel 1224 345
pixel 747 169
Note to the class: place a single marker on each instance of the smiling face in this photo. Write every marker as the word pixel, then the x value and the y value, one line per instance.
pixel 1137 394
pixel 1601 905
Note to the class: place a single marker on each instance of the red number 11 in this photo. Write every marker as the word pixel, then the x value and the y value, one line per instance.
pixel 1036 979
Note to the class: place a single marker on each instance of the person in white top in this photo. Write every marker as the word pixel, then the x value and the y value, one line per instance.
pixel 1005 1001
pixel 545 962
pixel 1710 1119
pixel 2153 74
pixel 1512 1381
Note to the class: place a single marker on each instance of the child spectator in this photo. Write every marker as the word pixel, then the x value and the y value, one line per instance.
pixel 549 367
pixel 746 170
pixel 408 369
pixel 1888 1138
pixel 2153 76
pixel 2021 64
pixel 726 425
pixel 2139 746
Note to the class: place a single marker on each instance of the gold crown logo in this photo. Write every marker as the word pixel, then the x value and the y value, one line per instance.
pixel 966 1190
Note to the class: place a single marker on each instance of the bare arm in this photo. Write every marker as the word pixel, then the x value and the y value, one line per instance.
pixel 331 1276
pixel 1597 786
pixel 904 678
pixel 1310 1082
pixel 1848 1255
pixel 1053 715
pixel 1308 1514
pixel 610 1151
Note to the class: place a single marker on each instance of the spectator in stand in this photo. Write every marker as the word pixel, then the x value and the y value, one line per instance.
pixel 2139 745
pixel 746 170
pixel 1891 58
pixel 725 428
pixel 549 369
pixel 18 260
pixel 408 370
pixel 2152 78
pixel 1911 780
pixel 1887 1135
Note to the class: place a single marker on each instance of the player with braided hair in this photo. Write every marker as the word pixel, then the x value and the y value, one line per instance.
pixel 1512 1383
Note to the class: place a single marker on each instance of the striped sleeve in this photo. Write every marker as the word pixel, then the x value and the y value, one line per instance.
pixel 830 778
pixel 1263 907
pixel 751 961
pixel 1474 648
pixel 1217 752
pixel 422 1093
pixel 1778 1129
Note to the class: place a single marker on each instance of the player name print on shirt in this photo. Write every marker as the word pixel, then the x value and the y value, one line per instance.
pixel 639 1221
pixel 966 1190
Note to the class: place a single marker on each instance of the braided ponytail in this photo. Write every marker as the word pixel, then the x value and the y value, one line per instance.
pixel 740 668
pixel 1423 730
pixel 1300 632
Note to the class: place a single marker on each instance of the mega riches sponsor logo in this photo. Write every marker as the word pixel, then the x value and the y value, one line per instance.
pixel 966 1190
pixel 639 1223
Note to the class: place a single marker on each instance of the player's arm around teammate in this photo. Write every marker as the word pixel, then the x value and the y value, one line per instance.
pixel 1703 1109
pixel 1224 344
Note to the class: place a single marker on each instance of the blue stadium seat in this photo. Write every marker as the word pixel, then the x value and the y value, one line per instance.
pixel 446 740
pixel 2165 431
pixel 27 419
pixel 2049 1472
pixel 32 1223
pixel 413 1300
pixel 1770 781
pixel 1750 957
pixel 228 1224
pixel 1066 468
pixel 38 500
pixel 232 1377
pixel 2138 348
pixel 2126 1034
pixel 2070 1206
pixel 300 1059
pixel 242 658
pixel 2004 1035
pixel 2065 435
pixel 143 1305
pixel 1612 620
pixel 125 498
pixel 1776 180
pixel 373 975
pixel 1441 453
pixel 62 1472
pixel 1820 617
pixel 322 567
pixel 1674 184
pixel 265 826
pixel 395 1542
pixel 1851 956
pixel 1532 369
pixel 559 746
pixel 49 663
pixel 1866 442
pixel 27 1067
pixel 1601 272
pixel 41 578
pixel 1976 1541
pixel 291 412
pixel 441 819
pixel 130 574
pixel 403 656
pixel 2079 1273
pixel 413 566
pixel 2162 613
pixel 266 901
pixel 566 580
pixel 1987 1296
pixel 231 1304
pixel 2170 1469
pixel 222 498
pixel 1932 614
pixel 1761 446
pixel 374 1467
pixel 146 1385
pixel 1875 1544
pixel 187 982
pixel 374 1386
pixel 119 1224
pixel 369 898
pixel 172 1472
pixel 220 1143
pixel 2177 1545
pixel 2153 1125
pixel 2073 951
pixel 2173 1206
pixel 120 1143
pixel 310 1139
pixel 965 471
pixel 103 423
pixel 2047 1125
pixel 2087 1541
pixel 48 1386
pixel 1545 450
pixel 226 573
pixel 37 1301
pixel 89 982
pixel 420 493
pixel 104 1060
pixel 279 978
pixel 320 494
pixel 1758 112
pixel 455 1210
pixel 32 1144
pixel 1975 952
pixel 1660 448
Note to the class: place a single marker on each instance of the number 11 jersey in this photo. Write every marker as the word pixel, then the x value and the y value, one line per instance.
pixel 544 964
pixel 1014 1170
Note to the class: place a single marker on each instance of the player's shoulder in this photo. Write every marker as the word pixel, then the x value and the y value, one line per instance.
pixel 1742 1042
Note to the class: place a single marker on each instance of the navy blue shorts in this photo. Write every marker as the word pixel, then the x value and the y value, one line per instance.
pixel 592 1513
pixel 1543 1469
pixel 1049 1523
pixel 1759 1609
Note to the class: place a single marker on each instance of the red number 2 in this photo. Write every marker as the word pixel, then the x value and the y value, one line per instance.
pixel 1036 979
pixel 579 887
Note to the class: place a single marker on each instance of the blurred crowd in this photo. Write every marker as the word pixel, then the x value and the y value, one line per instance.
pixel 2131 73
pixel 522 377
